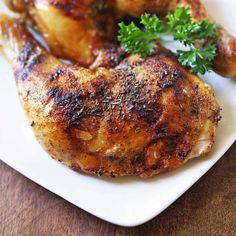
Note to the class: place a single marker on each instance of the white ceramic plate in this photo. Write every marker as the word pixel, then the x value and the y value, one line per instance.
pixel 123 201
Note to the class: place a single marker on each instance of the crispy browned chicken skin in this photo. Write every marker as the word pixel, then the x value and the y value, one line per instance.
pixel 84 29
pixel 141 118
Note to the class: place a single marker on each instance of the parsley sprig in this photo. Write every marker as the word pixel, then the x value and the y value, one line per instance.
pixel 140 41
pixel 198 59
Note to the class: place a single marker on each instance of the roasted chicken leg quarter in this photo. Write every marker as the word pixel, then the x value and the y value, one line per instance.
pixel 89 26
pixel 143 117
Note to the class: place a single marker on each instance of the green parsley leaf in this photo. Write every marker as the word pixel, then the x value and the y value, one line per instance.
pixel 152 24
pixel 198 60
pixel 203 29
pixel 181 16
pixel 134 40
pixel 187 31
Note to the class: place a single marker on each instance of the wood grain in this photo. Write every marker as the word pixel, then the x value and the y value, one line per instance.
pixel 208 208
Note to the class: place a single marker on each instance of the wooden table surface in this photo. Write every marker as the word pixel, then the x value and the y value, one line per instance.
pixel 208 208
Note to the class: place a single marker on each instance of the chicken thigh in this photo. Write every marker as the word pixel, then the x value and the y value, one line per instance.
pixel 143 117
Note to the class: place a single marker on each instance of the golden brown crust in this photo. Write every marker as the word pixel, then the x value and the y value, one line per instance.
pixel 141 118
